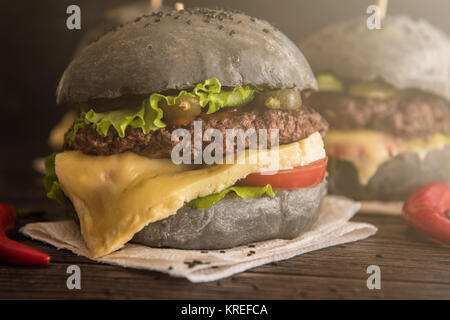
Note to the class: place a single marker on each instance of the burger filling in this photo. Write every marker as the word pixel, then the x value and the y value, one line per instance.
pixel 148 130
pixel 117 172
pixel 372 122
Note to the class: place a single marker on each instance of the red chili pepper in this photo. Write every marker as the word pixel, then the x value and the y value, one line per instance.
pixel 428 209
pixel 11 251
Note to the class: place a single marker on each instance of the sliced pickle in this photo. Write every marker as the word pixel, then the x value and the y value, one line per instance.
pixel 372 89
pixel 328 82
pixel 185 109
pixel 283 99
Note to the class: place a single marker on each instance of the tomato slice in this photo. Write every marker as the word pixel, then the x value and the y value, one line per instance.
pixel 299 177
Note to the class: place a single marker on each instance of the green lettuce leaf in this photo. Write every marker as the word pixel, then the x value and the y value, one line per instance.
pixel 209 93
pixel 243 192
pixel 149 116
pixel 77 125
pixel 50 180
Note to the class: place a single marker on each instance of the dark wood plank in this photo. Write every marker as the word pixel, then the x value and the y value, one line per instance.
pixel 103 281
pixel 401 252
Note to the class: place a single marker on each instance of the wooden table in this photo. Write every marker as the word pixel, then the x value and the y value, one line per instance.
pixel 413 266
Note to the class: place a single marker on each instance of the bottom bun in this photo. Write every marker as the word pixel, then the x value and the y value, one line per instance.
pixel 234 221
pixel 394 179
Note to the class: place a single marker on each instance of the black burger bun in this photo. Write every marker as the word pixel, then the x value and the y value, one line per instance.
pixel 234 221
pixel 394 180
pixel 406 53
pixel 178 49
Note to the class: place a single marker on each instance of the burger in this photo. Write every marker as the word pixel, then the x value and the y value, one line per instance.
pixel 132 167
pixel 385 94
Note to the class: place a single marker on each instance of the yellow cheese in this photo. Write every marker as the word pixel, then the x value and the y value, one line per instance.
pixel 56 138
pixel 422 146
pixel 116 196
pixel 367 149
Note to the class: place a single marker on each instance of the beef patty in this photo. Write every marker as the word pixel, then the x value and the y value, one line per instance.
pixel 293 125
pixel 406 115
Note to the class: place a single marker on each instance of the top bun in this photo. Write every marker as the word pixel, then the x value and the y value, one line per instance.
pixel 406 53
pixel 178 49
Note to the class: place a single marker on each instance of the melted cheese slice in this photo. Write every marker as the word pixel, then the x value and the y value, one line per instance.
pixel 56 138
pixel 367 149
pixel 116 196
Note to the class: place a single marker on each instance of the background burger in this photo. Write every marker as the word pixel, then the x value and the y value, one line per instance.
pixel 112 18
pixel 138 84
pixel 386 96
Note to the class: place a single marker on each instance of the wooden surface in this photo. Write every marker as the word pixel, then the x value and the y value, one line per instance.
pixel 413 266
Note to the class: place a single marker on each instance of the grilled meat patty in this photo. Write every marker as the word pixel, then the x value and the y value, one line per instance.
pixel 293 125
pixel 406 115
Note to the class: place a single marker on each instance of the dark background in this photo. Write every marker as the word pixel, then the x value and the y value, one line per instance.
pixel 36 46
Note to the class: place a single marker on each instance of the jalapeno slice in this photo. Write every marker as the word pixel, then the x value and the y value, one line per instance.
pixel 328 82
pixel 283 99
pixel 185 108
pixel 372 89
